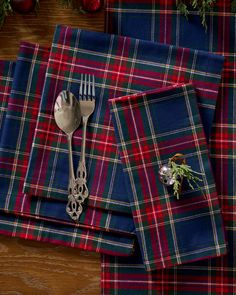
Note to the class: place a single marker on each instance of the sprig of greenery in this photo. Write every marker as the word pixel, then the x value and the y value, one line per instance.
pixel 180 171
pixel 201 5
pixel 233 6
pixel 74 4
pixel 5 9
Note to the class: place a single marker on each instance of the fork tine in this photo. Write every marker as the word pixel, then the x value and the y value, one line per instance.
pixel 81 87
pixel 93 88
pixel 89 86
pixel 85 85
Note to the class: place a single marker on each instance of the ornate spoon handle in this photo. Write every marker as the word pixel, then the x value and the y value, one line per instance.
pixel 79 190
pixel 73 207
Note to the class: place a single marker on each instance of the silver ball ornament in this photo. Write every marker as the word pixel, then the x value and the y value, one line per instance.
pixel 166 176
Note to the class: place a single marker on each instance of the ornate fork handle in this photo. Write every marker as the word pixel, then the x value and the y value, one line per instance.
pixel 79 189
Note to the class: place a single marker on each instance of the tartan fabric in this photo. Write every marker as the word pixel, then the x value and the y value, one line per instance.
pixel 17 138
pixel 151 128
pixel 214 276
pixel 65 235
pixel 127 276
pixel 46 231
pixel 6 70
pixel 121 66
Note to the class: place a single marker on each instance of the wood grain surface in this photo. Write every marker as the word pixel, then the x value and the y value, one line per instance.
pixel 35 268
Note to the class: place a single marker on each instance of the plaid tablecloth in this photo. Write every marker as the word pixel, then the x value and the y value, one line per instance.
pixel 17 117
pixel 121 66
pixel 150 129
pixel 160 21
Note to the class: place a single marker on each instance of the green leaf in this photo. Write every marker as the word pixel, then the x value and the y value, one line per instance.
pixel 182 7
pixel 233 6
pixel 180 171
pixel 5 9
pixel 201 5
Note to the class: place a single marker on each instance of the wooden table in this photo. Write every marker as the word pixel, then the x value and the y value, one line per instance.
pixel 28 267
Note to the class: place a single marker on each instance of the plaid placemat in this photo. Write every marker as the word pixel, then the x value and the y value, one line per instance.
pixel 17 138
pixel 121 66
pixel 214 276
pixel 60 234
pixel 150 129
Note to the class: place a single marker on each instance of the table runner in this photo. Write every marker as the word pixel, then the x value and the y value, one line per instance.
pixel 214 276
pixel 86 238
pixel 121 66
pixel 150 129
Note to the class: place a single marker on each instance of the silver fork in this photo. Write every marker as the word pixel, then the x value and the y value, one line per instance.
pixel 87 106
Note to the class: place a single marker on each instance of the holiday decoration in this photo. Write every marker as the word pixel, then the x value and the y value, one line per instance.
pixel 5 9
pixel 173 174
pixel 83 6
pixel 91 5
pixel 201 5
pixel 23 6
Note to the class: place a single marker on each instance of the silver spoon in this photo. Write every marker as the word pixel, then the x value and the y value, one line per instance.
pixel 68 118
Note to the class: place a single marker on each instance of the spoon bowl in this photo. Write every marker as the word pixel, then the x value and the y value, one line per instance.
pixel 67 112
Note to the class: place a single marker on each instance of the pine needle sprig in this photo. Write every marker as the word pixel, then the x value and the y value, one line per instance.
pixel 233 6
pixel 180 171
pixel 182 7
pixel 5 10
pixel 74 4
pixel 201 5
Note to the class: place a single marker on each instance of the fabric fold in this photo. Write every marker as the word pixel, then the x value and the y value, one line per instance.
pixel 19 213
pixel 17 139
pixel 151 128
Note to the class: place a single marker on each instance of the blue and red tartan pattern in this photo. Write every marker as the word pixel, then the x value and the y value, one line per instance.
pixel 28 226
pixel 160 21
pixel 121 66
pixel 16 143
pixel 6 74
pixel 150 129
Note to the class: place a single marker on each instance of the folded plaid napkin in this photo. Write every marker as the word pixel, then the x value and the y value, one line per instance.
pixel 150 129
pixel 23 105
pixel 213 276
pixel 121 66
pixel 30 228
pixel 65 235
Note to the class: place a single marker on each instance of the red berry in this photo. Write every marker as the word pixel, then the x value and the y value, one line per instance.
pixel 91 5
pixel 23 6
